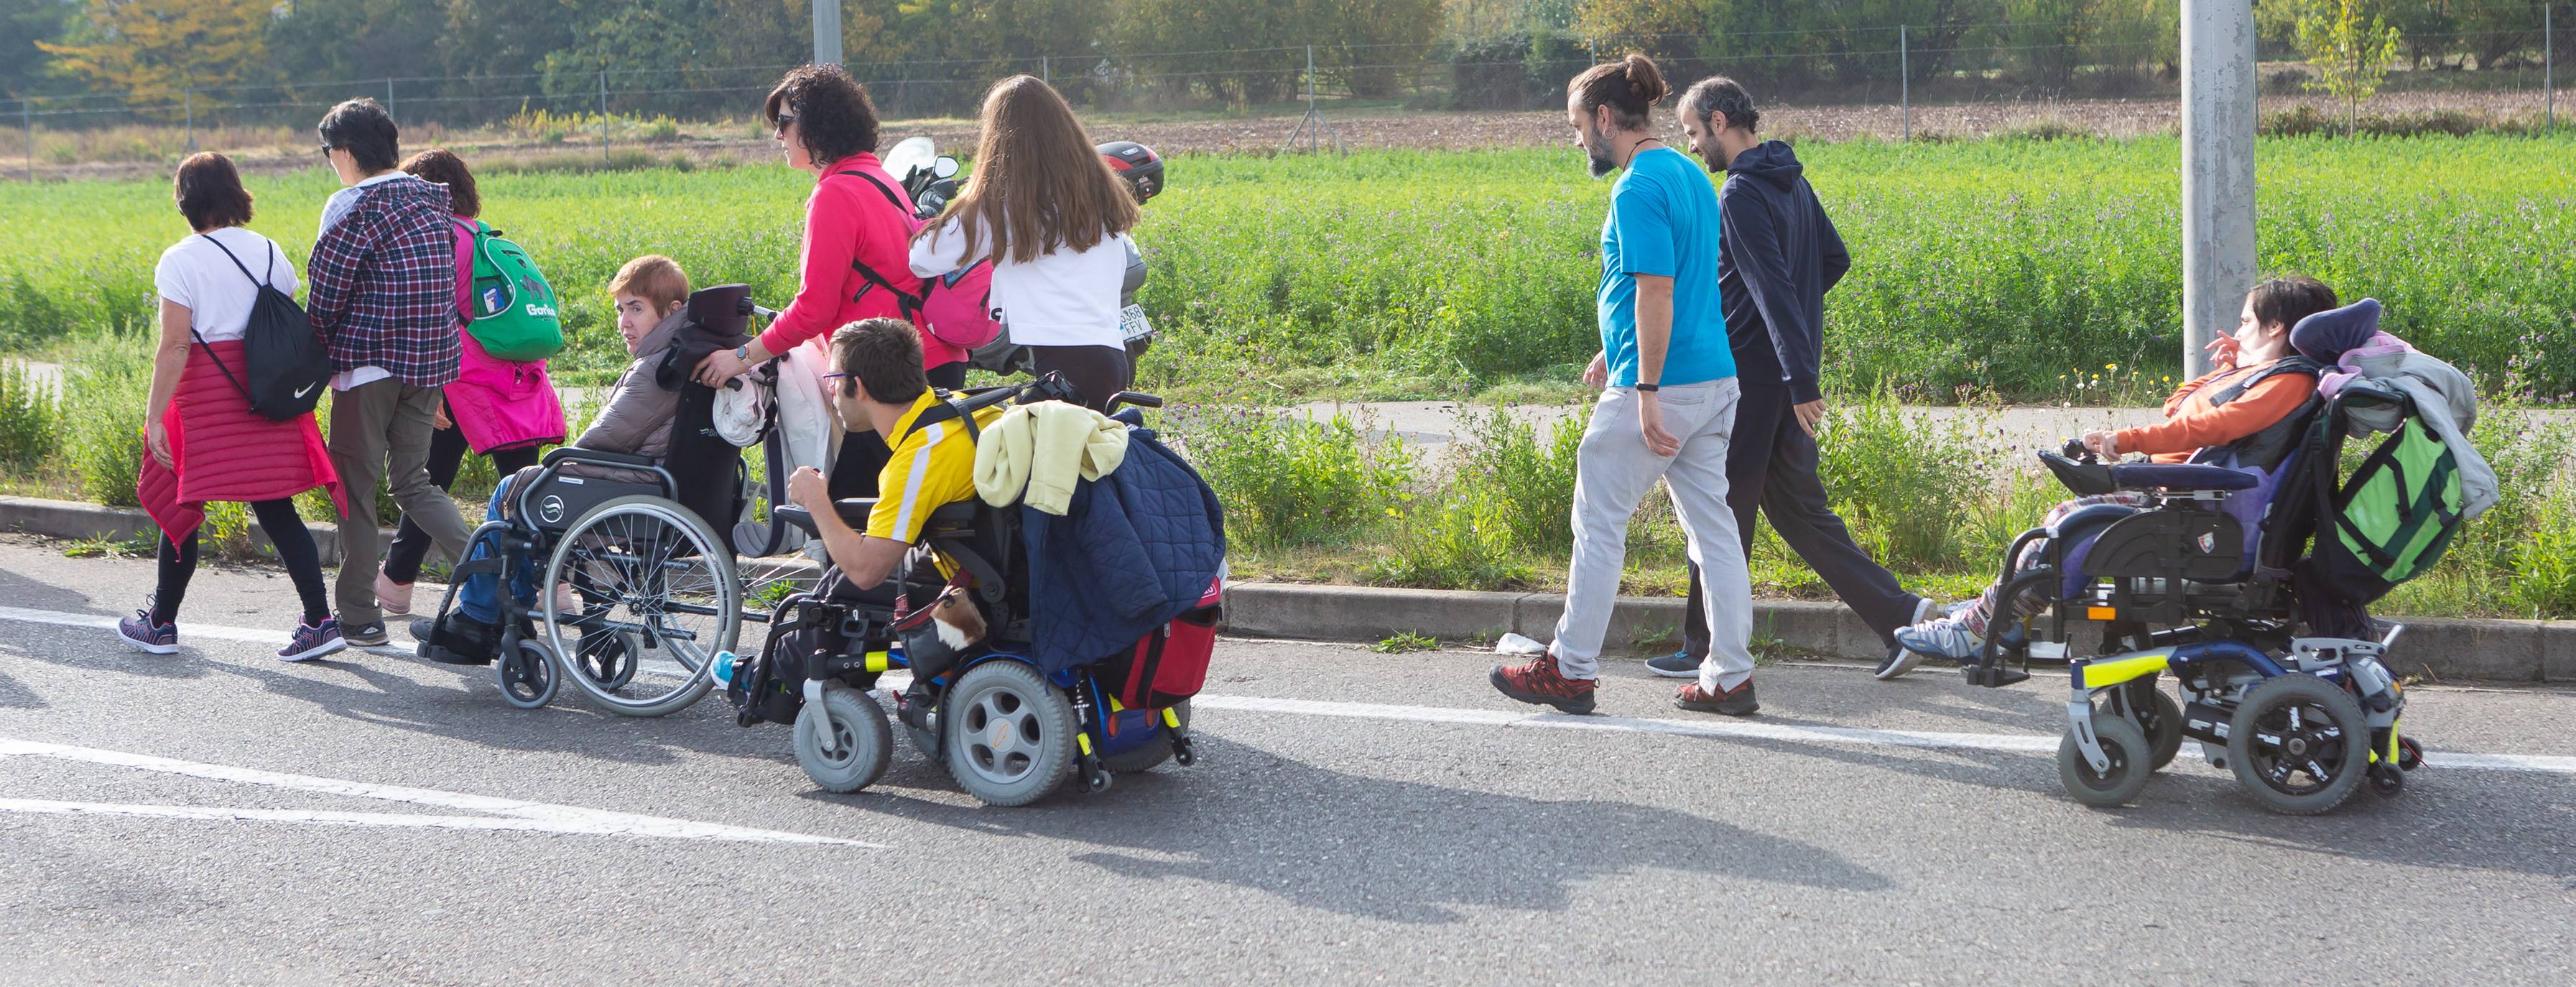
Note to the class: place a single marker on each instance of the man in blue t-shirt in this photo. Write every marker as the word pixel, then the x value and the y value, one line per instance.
pixel 1667 406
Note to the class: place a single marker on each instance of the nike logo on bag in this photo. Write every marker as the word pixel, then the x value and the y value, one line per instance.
pixel 306 389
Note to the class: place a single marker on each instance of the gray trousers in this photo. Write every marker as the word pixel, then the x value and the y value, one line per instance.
pixel 1613 472
pixel 380 433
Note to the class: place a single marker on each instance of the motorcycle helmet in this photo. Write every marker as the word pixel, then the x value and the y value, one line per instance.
pixel 1137 165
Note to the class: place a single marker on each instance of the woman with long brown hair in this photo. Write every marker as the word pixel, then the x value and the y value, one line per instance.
pixel 1053 219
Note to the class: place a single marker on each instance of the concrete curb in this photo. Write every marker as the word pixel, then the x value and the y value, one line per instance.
pixel 2504 651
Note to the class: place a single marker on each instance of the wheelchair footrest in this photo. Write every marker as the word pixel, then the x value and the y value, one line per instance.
pixel 1993 676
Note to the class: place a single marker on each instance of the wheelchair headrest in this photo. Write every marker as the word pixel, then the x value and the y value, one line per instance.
pixel 724 309
pixel 2326 336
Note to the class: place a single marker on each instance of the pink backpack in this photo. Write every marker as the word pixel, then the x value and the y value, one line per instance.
pixel 955 308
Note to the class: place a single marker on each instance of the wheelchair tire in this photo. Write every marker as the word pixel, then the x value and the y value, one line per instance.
pixel 1008 733
pixel 688 624
pixel 862 744
pixel 2125 745
pixel 2298 725
pixel 527 678
pixel 1150 754
pixel 2160 717
pixel 608 657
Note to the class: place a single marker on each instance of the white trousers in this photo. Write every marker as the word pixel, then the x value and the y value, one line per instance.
pixel 1613 472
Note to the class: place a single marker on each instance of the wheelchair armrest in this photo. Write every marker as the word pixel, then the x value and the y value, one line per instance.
pixel 565 454
pixel 2181 476
pixel 853 511
pixel 797 517
pixel 2084 479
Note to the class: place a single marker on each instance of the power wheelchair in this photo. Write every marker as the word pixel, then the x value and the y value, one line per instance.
pixel 1009 731
pixel 2202 580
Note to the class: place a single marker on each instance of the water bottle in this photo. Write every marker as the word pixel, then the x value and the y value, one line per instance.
pixel 724 665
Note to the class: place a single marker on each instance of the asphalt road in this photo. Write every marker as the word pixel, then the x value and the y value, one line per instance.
pixel 217 816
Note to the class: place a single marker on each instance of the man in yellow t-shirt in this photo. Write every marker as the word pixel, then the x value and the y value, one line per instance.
pixel 878 385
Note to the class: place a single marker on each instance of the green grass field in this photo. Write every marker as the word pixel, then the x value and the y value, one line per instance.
pixel 2022 267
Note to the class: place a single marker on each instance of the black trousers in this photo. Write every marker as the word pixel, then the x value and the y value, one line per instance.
pixel 864 454
pixel 294 542
pixel 446 455
pixel 1099 372
pixel 1771 468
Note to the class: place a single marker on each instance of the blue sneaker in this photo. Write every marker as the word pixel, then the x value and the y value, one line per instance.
pixel 1941 637
pixel 1678 665
pixel 141 634
pixel 313 642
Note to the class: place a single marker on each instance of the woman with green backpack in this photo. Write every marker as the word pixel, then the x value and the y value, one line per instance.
pixel 501 408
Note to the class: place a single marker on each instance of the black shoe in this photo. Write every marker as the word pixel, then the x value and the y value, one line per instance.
pixel 461 641
pixel 1737 701
pixel 367 635
pixel 1678 665
pixel 1899 661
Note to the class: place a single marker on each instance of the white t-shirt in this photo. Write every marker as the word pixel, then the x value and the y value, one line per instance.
pixel 1065 298
pixel 195 273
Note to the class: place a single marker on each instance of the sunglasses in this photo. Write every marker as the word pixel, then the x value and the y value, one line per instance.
pixel 783 122
pixel 326 151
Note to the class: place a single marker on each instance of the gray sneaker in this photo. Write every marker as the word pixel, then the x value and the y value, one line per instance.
pixel 1678 665
pixel 1901 659
pixel 366 635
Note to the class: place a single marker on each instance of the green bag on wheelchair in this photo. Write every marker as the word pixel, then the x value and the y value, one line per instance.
pixel 2393 518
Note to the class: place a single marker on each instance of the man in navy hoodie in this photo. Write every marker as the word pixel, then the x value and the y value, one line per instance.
pixel 1778 256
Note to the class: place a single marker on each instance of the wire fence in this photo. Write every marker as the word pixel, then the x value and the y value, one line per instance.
pixel 1888 66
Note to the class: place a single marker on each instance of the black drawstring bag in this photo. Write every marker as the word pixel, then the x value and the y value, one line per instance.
pixel 281 354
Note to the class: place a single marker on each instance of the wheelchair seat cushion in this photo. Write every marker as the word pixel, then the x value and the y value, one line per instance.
pixel 2182 476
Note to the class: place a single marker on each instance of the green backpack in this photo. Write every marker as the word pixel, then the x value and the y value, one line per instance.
pixel 514 316
pixel 2392 519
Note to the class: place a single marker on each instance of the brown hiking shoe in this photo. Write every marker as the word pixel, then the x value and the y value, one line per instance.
pixel 1737 701
pixel 1540 683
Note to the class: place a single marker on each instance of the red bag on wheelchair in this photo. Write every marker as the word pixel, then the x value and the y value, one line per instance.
pixel 1170 664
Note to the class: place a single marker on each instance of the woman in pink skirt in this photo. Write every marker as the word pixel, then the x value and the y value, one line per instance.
pixel 207 284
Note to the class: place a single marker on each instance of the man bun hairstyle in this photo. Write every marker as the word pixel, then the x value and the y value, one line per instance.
pixel 1717 96
pixel 2286 300
pixel 882 355
pixel 210 192
pixel 1630 87
pixel 366 131
pixel 834 116
pixel 444 167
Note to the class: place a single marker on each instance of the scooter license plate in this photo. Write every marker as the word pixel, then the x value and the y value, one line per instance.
pixel 1132 325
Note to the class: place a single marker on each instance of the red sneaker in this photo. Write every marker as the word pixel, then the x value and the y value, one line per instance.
pixel 1539 682
pixel 1737 701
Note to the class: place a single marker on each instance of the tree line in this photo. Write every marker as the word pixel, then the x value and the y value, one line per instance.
pixel 696 56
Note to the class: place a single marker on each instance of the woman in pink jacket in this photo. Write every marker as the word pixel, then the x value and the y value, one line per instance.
pixel 500 409
pixel 825 124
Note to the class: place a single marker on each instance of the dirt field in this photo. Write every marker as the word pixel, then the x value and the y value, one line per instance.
pixel 1378 128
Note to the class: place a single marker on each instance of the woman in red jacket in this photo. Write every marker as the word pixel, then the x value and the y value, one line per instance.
pixel 826 125
pixel 202 440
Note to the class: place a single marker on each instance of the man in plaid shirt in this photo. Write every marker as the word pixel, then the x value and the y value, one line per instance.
pixel 383 278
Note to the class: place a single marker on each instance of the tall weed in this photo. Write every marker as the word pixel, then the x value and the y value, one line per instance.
pixel 1903 482
pixel 103 395
pixel 1530 482
pixel 28 418
pixel 1290 480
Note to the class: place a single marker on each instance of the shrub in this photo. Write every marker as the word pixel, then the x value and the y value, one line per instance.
pixel 28 418
pixel 1901 481
pixel 103 405
pixel 1290 480
pixel 1531 483
pixel 1464 541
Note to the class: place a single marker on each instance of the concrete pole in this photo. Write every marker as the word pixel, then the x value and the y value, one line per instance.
pixel 389 95
pixel 2549 67
pixel 827 32
pixel 1904 83
pixel 2218 258
pixel 189 96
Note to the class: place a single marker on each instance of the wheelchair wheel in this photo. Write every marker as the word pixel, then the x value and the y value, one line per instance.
pixel 1008 734
pixel 527 676
pixel 861 743
pixel 653 573
pixel 607 657
pixel 1149 753
pixel 2300 744
pixel 2125 745
pixel 2161 718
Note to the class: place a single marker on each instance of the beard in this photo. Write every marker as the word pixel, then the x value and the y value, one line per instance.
pixel 1601 166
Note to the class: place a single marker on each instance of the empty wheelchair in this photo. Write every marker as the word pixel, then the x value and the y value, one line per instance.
pixel 2208 578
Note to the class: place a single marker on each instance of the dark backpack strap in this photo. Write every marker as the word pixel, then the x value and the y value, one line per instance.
pixel 909 301
pixel 208 347
pixel 228 255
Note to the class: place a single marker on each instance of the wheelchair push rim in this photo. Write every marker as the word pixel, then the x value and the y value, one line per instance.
pixel 656 577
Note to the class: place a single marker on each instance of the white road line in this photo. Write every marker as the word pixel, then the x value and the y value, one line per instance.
pixel 1753 730
pixel 539 815
pixel 327 818
pixel 2019 743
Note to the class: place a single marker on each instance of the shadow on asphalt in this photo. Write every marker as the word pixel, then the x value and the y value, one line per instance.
pixel 16 696
pixel 22 592
pixel 2523 821
pixel 1372 847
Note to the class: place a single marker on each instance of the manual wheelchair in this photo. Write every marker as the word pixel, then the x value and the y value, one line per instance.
pixel 1009 731
pixel 2200 579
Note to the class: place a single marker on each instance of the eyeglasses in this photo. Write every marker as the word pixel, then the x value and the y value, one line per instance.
pixel 784 121
pixel 326 151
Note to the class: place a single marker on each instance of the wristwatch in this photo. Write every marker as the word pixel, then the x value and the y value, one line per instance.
pixel 742 352
pixel 1649 388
